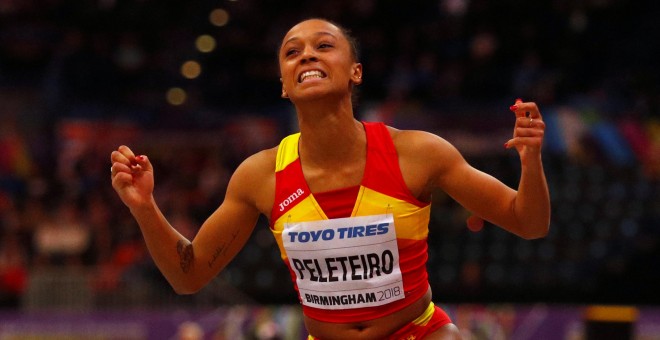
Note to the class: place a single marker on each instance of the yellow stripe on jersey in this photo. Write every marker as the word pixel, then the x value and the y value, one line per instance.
pixel 287 151
pixel 304 211
pixel 410 220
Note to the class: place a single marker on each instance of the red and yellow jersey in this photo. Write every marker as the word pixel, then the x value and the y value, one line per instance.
pixel 359 267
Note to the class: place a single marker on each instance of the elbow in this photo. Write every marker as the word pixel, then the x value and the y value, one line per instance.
pixel 186 289
pixel 535 236
pixel 536 232
pixel 536 229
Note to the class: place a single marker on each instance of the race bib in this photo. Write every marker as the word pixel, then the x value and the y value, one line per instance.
pixel 345 262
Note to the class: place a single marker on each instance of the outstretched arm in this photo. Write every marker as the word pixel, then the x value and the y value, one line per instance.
pixel 187 266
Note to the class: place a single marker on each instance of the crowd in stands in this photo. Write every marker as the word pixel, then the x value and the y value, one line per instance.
pixel 79 78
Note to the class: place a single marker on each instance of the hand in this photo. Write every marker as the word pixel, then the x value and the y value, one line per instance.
pixel 529 129
pixel 132 177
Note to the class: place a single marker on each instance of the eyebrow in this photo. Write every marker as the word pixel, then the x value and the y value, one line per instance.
pixel 316 34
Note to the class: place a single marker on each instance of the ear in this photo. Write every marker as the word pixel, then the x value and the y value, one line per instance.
pixel 284 94
pixel 356 76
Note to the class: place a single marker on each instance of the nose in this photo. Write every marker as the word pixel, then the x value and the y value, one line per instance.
pixel 308 55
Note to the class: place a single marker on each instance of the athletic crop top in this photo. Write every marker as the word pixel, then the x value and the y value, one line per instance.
pixel 366 265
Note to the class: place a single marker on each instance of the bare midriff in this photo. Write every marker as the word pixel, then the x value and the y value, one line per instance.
pixel 370 329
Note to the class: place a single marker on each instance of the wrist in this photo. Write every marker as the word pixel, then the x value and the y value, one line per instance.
pixel 147 207
pixel 530 158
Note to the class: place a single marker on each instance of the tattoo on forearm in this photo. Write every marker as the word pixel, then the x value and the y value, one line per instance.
pixel 186 255
pixel 221 251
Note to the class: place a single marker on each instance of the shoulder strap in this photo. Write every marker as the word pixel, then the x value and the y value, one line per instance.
pixel 287 152
pixel 382 172
pixel 290 182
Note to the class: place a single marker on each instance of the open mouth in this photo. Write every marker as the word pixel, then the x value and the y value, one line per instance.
pixel 312 74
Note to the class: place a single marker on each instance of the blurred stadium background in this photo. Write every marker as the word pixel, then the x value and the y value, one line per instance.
pixel 195 86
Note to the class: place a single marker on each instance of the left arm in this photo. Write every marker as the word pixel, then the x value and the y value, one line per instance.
pixel 524 212
pixel 532 201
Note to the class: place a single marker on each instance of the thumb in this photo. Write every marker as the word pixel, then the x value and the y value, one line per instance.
pixel 514 143
pixel 144 163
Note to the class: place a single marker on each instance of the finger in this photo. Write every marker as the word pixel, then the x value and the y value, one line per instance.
pixel 516 108
pixel 530 109
pixel 122 180
pixel 144 162
pixel 533 142
pixel 118 157
pixel 529 122
pixel 127 152
pixel 121 175
pixel 118 167
pixel 529 132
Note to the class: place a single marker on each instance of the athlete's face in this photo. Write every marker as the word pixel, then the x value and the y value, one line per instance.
pixel 315 60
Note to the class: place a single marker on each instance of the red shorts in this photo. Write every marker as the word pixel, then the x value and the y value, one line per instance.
pixel 430 321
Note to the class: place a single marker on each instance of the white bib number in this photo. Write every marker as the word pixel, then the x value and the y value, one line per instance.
pixel 345 262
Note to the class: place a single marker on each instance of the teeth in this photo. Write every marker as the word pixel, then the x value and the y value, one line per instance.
pixel 310 74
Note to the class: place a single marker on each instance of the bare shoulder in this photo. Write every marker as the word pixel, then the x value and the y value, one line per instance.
pixel 254 179
pixel 260 163
pixel 424 159
pixel 417 143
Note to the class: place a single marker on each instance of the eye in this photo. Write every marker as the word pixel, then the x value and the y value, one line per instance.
pixel 324 45
pixel 290 52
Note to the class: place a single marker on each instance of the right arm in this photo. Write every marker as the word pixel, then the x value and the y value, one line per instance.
pixel 189 266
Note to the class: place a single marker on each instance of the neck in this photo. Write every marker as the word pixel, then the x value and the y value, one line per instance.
pixel 329 133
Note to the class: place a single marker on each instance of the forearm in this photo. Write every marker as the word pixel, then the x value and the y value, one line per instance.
pixel 531 205
pixel 171 251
